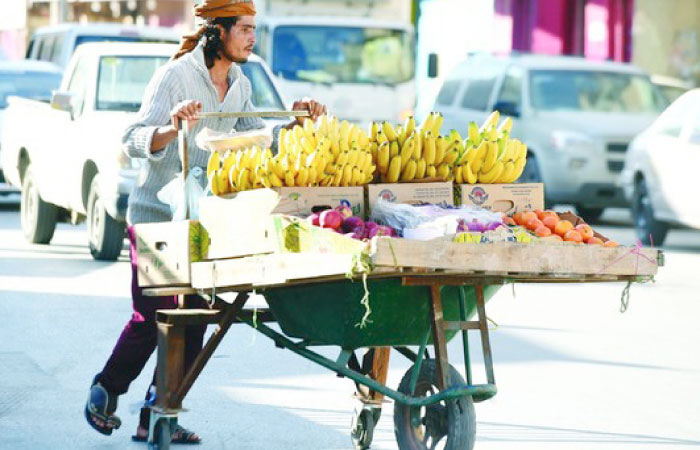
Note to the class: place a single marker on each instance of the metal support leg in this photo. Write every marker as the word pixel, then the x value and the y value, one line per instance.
pixel 465 336
pixel 483 328
pixel 439 341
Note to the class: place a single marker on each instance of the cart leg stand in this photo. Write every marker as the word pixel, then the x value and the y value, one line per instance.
pixel 368 412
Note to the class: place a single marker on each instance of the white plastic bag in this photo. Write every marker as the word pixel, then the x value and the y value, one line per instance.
pixel 217 141
pixel 180 197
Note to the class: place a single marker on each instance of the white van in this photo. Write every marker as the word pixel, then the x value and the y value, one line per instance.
pixel 57 43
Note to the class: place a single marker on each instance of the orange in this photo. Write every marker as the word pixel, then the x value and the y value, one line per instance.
pixel 611 244
pixel 585 230
pixel 594 240
pixel 533 224
pixel 539 212
pixel 556 237
pixel 543 231
pixel 509 221
pixel 550 222
pixel 573 236
pixel 527 216
pixel 563 227
pixel 518 218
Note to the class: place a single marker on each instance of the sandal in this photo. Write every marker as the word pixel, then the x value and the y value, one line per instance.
pixel 101 406
pixel 180 435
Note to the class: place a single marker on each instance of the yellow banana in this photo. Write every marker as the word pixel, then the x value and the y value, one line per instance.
pixel 473 134
pixel 383 157
pixel 407 151
pixel 229 161
pixel 389 131
pixel 427 122
pixel 352 157
pixel 213 184
pixel 409 171
pixel 373 147
pixel 322 126
pixel 333 128
pixel 490 158
pixel 326 180
pixel 222 181
pixel 401 135
pixel 519 166
pixel 420 169
pixel 429 150
pixel 430 172
pixel 490 176
pixel 335 147
pixel 443 171
pixel 338 177
pixel 393 148
pixel 213 164
pixel 381 137
pixel 417 145
pixel 394 171
pixel 363 140
pixel 491 121
pixel 523 150
pixel 437 124
pixel 243 180
pixel 353 135
pixel 342 158
pixel 282 141
pixel 508 171
pixel 506 125
pixel 373 129
pixel 451 156
pixel 306 145
pixel 344 132
pixel 479 156
pixel 409 125
pixel 298 133
pixel 274 179
pixel 302 177
pixel 357 177
pixel 440 149
pixel 233 176
pixel 347 175
pixel 458 174
pixel 309 128
pixel 468 175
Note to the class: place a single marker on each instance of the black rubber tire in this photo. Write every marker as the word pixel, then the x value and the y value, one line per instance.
pixel 38 217
pixel 460 427
pixel 161 435
pixel 590 215
pixel 362 429
pixel 645 224
pixel 531 172
pixel 105 234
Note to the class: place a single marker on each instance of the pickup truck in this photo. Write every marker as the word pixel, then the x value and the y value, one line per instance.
pixel 67 156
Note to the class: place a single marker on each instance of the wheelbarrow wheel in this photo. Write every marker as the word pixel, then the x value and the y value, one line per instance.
pixel 448 425
pixel 362 427
pixel 161 435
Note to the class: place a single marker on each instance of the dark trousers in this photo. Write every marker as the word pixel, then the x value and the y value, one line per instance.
pixel 139 337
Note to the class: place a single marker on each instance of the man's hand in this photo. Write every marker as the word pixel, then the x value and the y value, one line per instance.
pixel 186 110
pixel 314 108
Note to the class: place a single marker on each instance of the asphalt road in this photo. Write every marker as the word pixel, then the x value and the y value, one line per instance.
pixel 572 371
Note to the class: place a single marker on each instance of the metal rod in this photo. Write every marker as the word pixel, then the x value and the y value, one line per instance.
pixel 465 335
pixel 242 114
pixel 419 362
pixel 485 344
pixel 182 129
pixel 482 391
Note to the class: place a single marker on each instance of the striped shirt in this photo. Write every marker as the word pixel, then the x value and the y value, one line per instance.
pixel 186 78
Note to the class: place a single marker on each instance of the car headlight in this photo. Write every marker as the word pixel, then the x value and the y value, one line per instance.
pixel 572 141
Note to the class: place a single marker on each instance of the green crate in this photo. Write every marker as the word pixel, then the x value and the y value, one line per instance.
pixel 330 313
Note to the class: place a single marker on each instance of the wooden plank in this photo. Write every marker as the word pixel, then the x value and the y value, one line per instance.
pixel 183 317
pixel 380 369
pixel 439 341
pixel 455 325
pixel 168 291
pixel 171 364
pixel 483 328
pixel 501 258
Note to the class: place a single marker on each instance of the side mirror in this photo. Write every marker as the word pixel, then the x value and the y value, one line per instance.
pixel 432 65
pixel 507 109
pixel 62 101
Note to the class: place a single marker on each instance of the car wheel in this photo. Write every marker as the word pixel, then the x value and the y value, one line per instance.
pixel 649 230
pixel 105 234
pixel 590 215
pixel 38 217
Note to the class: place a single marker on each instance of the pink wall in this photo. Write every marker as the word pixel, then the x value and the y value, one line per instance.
pixel 596 32
pixel 548 33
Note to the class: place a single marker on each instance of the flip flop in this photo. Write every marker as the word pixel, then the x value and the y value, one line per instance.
pixel 184 436
pixel 101 405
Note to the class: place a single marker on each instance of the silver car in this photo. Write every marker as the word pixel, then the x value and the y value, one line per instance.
pixel 660 170
pixel 576 116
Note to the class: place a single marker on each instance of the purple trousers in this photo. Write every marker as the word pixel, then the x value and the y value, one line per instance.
pixel 139 337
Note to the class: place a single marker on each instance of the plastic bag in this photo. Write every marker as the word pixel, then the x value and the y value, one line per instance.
pixel 180 197
pixel 217 141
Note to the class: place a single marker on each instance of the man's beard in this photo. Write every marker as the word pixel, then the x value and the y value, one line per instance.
pixel 225 53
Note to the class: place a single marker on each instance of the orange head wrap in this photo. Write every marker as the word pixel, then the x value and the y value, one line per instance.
pixel 212 9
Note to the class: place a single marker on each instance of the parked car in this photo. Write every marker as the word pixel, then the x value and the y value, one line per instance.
pixel 56 43
pixel 30 79
pixel 75 168
pixel 576 116
pixel 671 87
pixel 660 169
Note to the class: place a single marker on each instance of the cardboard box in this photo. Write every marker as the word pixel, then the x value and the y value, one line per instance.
pixel 165 251
pixel 411 193
pixel 299 201
pixel 507 198
pixel 295 235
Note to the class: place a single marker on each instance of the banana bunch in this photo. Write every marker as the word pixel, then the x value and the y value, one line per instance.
pixel 410 152
pixel 490 155
pixel 327 153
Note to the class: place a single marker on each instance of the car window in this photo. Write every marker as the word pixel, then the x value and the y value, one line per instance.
pixel 34 85
pixel 511 89
pixel 77 86
pixel 47 48
pixel 57 48
pixel 478 92
pixel 671 122
pixel 448 92
pixel 122 80
pixel 265 95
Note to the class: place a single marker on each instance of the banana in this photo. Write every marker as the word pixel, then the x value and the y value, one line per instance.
pixel 458 174
pixel 417 145
pixel 233 176
pixel 243 181
pixel 429 150
pixel 430 172
pixel 352 157
pixel 451 156
pixel 407 151
pixel 326 180
pixel 322 126
pixel 468 175
pixel 389 131
pixel 394 148
pixel 344 132
pixel 427 122
pixel 491 134
pixel 335 147
pixel 440 149
pixel 213 184
pixel 508 171
pixel 357 177
pixel 479 156
pixel 302 177
pixel 383 157
pixel 491 121
pixel 473 134
pixel 373 147
pixel 519 166
pixel 490 176
pixel 506 125
pixel 289 179
pixel 310 131
pixel 353 135
pixel 222 181
pixel 362 140
pixel 523 150
pixel 229 161
pixel 409 125
pixel 381 137
pixel 306 145
pixel 347 175
pixel 265 181
pixel 298 133
pixel 401 135
pixel 342 158
pixel 367 164
pixel 490 158
pixel 437 124
pixel 373 129
pixel 282 141
pixel 369 177
pixel 213 164
pixel 420 169
pixel 394 171
pixel 409 171
pixel 338 177
pixel 274 179
pixel 333 128
pixel 443 171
